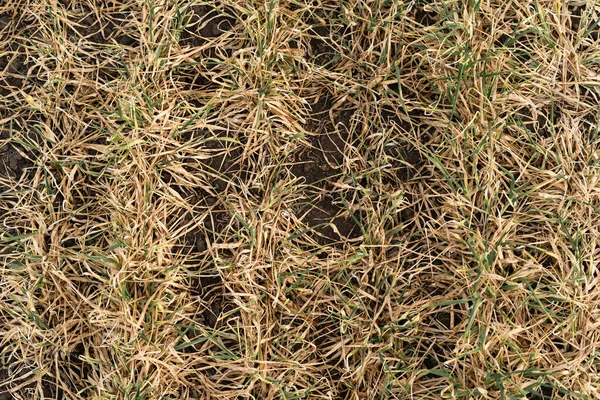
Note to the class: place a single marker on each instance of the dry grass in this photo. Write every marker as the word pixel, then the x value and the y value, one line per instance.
pixel 356 199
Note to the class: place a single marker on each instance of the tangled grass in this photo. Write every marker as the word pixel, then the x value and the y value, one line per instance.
pixel 324 199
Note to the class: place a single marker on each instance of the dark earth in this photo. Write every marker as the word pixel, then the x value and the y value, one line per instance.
pixel 14 159
pixel 11 371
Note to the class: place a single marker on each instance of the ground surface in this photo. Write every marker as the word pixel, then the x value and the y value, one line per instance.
pixel 363 199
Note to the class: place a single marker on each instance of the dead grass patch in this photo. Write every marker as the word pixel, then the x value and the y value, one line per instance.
pixel 286 200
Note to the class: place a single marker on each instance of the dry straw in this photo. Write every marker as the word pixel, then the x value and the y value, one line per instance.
pixel 356 199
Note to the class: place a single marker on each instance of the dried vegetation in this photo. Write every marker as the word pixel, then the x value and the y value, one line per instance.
pixel 294 199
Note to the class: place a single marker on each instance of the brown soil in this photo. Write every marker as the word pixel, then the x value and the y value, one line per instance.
pixel 318 166
pixel 202 23
pixel 17 374
pixel 106 27
pixel 14 158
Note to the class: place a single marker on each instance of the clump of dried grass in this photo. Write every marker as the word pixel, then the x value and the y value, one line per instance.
pixel 178 163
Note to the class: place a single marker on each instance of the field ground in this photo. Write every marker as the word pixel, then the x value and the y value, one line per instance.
pixel 299 199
